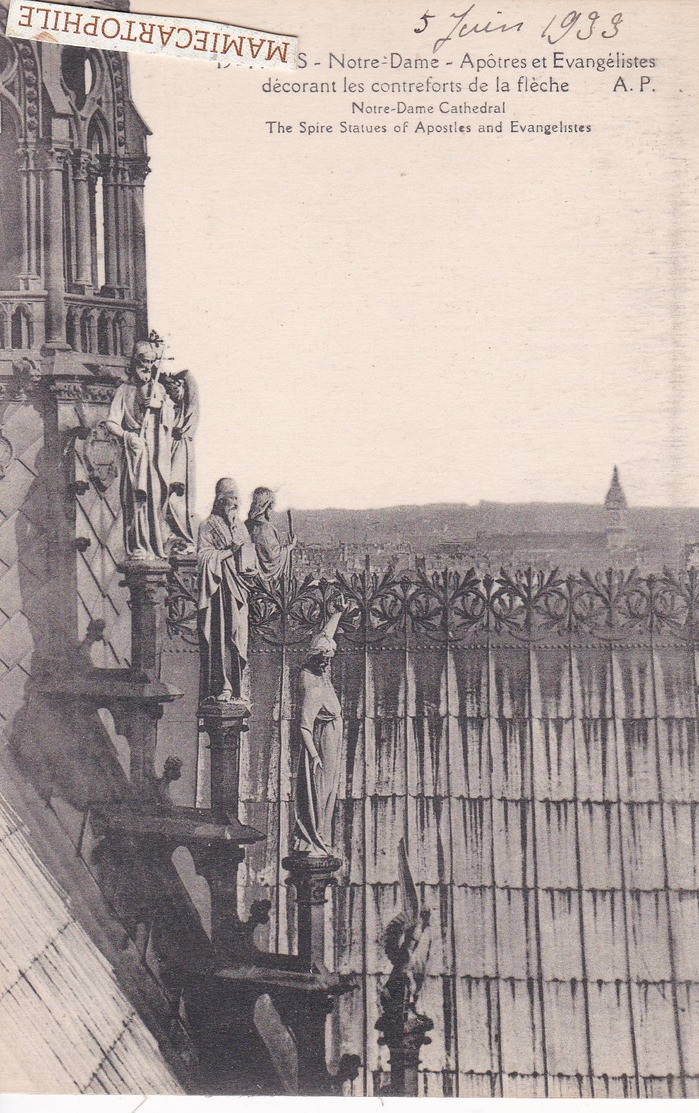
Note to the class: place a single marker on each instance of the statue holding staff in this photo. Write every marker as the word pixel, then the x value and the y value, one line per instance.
pixel 320 763
pixel 273 553
pixel 149 413
pixel 227 569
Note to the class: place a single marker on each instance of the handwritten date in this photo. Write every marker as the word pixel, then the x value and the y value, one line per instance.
pixel 585 24
pixel 579 25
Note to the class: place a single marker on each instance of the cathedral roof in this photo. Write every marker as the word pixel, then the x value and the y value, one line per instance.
pixel 73 1029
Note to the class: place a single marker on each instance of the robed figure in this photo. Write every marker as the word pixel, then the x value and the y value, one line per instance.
pixel 149 418
pixel 182 389
pixel 227 570
pixel 273 552
pixel 320 762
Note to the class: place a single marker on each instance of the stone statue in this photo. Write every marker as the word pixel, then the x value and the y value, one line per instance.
pixel 407 943
pixel 320 763
pixel 182 390
pixel 227 569
pixel 152 415
pixel 407 940
pixel 273 554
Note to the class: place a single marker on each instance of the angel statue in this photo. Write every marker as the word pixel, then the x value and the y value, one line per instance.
pixel 407 944
pixel 407 940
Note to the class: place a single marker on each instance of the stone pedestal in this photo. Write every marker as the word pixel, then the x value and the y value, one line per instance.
pixel 229 1010
pixel 224 724
pixel 147 581
pixel 311 878
pixel 404 1031
pixel 147 584
pixel 143 842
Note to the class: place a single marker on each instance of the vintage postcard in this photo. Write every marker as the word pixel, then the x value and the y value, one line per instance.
pixel 349 548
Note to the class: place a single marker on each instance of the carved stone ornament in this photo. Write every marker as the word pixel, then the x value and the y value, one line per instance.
pixel 311 876
pixel 7 453
pixel 27 378
pixel 101 452
pixel 73 390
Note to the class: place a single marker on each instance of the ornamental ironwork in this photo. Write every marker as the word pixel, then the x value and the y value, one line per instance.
pixel 181 601
pixel 452 607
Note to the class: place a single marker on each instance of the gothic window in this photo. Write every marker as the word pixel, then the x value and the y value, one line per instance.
pixel 78 73
pixel 87 332
pixel 3 328
pixel 119 335
pixel 22 328
pixel 11 214
pixel 103 333
pixel 72 332
pixel 96 145
pixel 99 240
pixel 7 58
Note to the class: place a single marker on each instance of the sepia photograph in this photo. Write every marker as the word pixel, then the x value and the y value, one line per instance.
pixel 349 549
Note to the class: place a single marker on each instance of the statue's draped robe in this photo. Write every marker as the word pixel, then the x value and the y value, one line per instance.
pixel 273 554
pixel 181 503
pixel 316 793
pixel 225 577
pixel 146 471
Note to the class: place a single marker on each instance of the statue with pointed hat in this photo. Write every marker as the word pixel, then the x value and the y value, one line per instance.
pixel 227 569
pixel 320 761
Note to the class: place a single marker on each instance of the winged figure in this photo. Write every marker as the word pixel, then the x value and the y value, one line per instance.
pixel 407 940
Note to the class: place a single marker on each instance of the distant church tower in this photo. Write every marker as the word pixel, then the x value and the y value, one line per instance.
pixel 72 300
pixel 615 506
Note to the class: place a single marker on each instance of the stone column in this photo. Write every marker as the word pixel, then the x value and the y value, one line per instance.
pixel 111 278
pixel 311 878
pixel 82 162
pixel 138 170
pixel 24 156
pixel 93 177
pixel 124 228
pixel 53 159
pixel 29 277
pixel 33 219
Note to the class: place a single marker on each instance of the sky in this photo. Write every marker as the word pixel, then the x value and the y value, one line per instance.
pixel 392 320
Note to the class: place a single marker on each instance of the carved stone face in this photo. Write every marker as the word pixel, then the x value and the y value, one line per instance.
pixel 229 505
pixel 143 362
